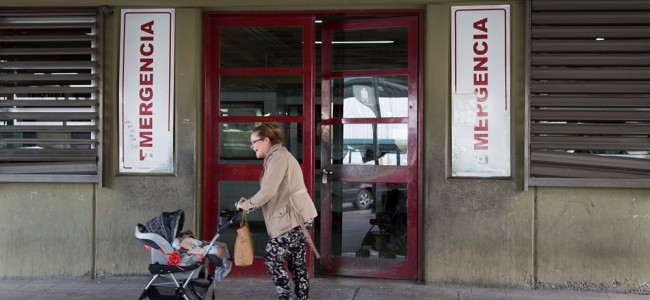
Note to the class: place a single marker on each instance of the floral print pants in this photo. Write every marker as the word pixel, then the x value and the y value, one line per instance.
pixel 290 246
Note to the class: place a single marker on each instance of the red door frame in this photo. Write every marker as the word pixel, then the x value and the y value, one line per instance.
pixel 215 172
pixel 410 174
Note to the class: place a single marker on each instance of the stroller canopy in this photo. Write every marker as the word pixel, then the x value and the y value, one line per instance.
pixel 166 224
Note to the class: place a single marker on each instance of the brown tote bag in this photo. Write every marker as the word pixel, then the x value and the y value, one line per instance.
pixel 244 244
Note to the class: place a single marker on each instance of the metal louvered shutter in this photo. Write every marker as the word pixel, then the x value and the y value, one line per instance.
pixel 589 93
pixel 50 94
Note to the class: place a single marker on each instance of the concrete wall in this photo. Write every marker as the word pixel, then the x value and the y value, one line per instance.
pixel 492 232
pixel 76 230
pixel 592 238
pixel 477 232
pixel 47 229
pixel 127 200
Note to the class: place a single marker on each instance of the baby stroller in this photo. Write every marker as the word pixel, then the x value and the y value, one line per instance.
pixel 158 235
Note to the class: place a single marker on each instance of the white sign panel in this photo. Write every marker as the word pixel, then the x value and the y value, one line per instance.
pixel 480 74
pixel 146 91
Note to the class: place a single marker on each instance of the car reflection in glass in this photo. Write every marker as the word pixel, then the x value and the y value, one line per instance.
pixel 359 194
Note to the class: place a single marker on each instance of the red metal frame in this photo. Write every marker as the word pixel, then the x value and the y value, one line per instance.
pixel 420 144
pixel 214 172
pixel 364 266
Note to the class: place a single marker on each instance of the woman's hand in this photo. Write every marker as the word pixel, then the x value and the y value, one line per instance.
pixel 240 203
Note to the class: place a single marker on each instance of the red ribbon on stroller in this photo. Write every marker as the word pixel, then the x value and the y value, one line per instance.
pixel 172 258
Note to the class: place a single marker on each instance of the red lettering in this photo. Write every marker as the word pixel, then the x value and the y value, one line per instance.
pixel 146 63
pixel 148 27
pixel 481 25
pixel 149 50
pixel 146 94
pixel 146 123
pixel 482 126
pixel 145 110
pixel 479 66
pixel 481 113
pixel 481 94
pixel 481 141
pixel 146 79
pixel 476 49
pixel 146 139
pixel 480 78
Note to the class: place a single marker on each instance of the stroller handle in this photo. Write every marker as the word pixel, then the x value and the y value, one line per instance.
pixel 220 229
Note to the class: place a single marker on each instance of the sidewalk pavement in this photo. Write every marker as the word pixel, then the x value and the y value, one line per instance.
pixel 262 288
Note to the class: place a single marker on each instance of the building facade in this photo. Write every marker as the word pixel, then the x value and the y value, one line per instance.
pixel 368 95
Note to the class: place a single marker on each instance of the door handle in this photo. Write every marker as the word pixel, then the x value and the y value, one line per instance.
pixel 324 175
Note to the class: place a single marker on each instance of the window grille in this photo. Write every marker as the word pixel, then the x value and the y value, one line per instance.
pixel 589 93
pixel 50 94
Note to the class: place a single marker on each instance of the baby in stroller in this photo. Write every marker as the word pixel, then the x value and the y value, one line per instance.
pixel 180 257
pixel 191 249
pixel 186 243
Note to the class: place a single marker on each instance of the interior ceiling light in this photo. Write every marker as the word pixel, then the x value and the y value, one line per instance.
pixel 359 42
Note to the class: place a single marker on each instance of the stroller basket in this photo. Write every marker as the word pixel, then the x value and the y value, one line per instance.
pixel 158 236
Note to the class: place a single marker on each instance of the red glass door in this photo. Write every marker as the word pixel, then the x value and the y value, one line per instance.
pixel 258 68
pixel 369 155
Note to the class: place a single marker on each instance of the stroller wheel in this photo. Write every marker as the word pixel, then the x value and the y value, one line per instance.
pixel 180 292
pixel 363 253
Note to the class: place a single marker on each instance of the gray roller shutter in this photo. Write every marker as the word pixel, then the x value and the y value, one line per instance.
pixel 589 93
pixel 50 94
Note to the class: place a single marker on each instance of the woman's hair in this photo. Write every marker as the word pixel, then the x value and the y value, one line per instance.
pixel 271 131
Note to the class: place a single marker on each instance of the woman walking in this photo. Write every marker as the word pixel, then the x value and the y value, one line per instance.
pixel 286 205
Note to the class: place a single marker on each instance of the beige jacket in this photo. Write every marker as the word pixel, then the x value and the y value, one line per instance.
pixel 281 179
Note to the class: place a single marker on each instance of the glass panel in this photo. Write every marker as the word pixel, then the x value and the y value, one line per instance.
pixel 229 194
pixel 369 219
pixel 369 49
pixel 235 142
pixel 261 95
pixel 261 47
pixel 357 144
pixel 370 97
